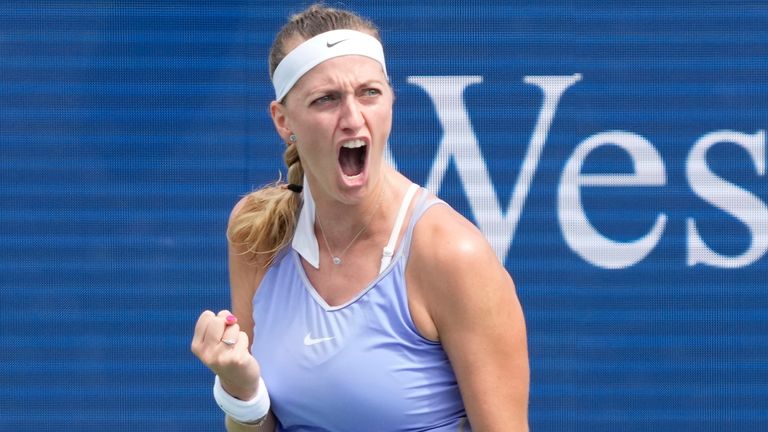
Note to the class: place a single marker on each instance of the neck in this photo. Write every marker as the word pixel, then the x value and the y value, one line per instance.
pixel 340 222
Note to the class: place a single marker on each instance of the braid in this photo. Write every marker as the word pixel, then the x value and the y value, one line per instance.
pixel 295 170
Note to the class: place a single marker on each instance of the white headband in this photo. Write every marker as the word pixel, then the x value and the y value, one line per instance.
pixel 320 48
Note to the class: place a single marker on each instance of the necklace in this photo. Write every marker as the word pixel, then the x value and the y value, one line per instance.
pixel 337 258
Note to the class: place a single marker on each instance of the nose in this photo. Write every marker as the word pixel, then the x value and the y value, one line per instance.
pixel 350 116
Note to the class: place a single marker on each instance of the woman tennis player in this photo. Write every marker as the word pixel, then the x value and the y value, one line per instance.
pixel 360 301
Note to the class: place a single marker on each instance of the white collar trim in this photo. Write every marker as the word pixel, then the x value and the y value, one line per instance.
pixel 304 239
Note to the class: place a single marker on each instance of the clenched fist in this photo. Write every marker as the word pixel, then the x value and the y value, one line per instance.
pixel 220 344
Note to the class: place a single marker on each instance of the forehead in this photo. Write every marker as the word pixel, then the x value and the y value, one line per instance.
pixel 350 69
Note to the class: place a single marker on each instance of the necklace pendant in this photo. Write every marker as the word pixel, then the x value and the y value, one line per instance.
pixel 336 260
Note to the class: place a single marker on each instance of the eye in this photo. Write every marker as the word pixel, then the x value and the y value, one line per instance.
pixel 323 100
pixel 370 92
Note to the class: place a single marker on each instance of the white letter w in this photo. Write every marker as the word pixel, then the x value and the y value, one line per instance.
pixel 460 143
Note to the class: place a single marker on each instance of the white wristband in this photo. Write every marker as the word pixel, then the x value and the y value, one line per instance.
pixel 239 410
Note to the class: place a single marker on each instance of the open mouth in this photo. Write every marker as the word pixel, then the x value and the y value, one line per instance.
pixel 352 157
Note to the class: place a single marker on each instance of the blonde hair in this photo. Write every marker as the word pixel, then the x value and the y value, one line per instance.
pixel 265 222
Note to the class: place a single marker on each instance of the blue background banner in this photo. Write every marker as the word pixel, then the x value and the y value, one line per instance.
pixel 614 154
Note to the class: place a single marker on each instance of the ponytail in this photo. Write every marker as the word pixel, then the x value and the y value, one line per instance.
pixel 265 223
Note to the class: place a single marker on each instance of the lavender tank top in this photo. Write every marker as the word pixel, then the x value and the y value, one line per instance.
pixel 357 367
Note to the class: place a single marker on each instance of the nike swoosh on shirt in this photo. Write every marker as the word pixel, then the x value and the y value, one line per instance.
pixel 331 45
pixel 309 340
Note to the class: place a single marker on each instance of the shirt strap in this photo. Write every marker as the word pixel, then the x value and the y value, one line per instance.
pixel 389 249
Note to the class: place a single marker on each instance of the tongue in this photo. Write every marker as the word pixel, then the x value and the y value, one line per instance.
pixel 352 161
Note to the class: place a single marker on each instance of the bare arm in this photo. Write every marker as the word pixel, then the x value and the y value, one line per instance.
pixel 475 313
pixel 244 277
pixel 237 369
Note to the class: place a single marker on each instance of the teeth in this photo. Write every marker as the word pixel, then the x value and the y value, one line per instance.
pixel 354 144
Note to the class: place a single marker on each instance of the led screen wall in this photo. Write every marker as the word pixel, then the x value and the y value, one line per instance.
pixel 614 154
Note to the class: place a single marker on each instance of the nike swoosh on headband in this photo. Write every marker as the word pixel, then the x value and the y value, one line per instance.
pixel 331 45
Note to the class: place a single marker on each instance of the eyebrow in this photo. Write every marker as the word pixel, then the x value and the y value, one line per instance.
pixel 333 88
pixel 322 86
pixel 373 82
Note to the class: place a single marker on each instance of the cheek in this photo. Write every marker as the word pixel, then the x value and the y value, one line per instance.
pixel 313 128
pixel 384 120
pixel 382 115
pixel 312 154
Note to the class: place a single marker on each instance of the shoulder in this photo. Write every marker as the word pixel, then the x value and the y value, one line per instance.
pixel 241 228
pixel 445 244
pixel 237 209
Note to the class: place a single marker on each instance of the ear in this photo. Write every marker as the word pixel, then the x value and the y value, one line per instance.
pixel 277 110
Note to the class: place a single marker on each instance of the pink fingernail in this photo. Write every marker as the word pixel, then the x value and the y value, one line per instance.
pixel 230 319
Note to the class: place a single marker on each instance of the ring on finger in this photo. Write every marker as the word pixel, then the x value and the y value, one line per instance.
pixel 229 342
